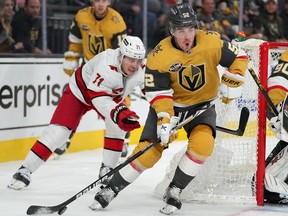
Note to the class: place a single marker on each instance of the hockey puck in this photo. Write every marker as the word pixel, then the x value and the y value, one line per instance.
pixel 62 210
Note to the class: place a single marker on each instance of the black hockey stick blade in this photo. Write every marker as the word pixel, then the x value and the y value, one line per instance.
pixel 60 209
pixel 244 116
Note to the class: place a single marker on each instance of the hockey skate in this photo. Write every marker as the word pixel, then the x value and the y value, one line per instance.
pixel 61 150
pixel 103 171
pixel 103 198
pixel 275 198
pixel 21 179
pixel 172 199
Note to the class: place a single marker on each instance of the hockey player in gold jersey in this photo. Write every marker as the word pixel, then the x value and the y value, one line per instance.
pixel 93 30
pixel 181 76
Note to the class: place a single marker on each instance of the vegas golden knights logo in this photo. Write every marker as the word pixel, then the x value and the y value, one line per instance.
pixel 192 77
pixel 96 44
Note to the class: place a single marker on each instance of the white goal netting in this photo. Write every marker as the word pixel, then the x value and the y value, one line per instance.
pixel 227 174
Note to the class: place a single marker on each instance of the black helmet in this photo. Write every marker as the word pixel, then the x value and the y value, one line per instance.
pixel 182 15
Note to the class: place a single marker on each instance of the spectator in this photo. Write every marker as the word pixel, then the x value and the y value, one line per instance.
pixel 158 10
pixel 132 12
pixel 251 9
pixel 211 19
pixel 229 11
pixel 27 28
pixel 6 15
pixel 20 3
pixel 284 15
pixel 268 25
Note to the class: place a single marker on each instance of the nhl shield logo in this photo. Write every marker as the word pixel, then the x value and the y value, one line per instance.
pixel 175 67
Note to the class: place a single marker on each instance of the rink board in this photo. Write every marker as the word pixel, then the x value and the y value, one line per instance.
pixel 30 89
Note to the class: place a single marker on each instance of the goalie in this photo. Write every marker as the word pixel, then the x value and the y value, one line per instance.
pixel 276 173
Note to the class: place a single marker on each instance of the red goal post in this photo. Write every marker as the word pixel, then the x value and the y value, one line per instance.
pixel 270 52
pixel 227 174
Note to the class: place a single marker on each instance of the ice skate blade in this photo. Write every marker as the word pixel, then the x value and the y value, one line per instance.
pixel 168 209
pixel 16 185
pixel 95 206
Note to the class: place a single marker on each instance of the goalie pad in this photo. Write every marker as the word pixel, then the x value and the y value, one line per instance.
pixel 276 173
pixel 71 62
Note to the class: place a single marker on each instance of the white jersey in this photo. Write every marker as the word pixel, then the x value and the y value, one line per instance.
pixel 100 83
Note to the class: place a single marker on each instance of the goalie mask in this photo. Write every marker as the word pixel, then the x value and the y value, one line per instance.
pixel 132 47
pixel 182 15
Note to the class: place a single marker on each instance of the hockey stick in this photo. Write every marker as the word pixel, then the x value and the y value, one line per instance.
pixel 139 96
pixel 244 116
pixel 242 123
pixel 271 105
pixel 61 208
pixel 263 91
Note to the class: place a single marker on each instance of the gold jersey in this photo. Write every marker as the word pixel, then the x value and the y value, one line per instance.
pixel 284 56
pixel 191 77
pixel 278 80
pixel 92 36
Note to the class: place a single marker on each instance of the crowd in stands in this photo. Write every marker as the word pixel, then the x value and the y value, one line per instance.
pixel 21 29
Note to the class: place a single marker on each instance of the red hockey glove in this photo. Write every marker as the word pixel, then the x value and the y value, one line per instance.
pixel 125 118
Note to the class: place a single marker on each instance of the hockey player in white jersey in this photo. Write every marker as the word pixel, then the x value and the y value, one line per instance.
pixel 102 85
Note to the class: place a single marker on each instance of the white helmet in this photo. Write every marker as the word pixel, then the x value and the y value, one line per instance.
pixel 133 47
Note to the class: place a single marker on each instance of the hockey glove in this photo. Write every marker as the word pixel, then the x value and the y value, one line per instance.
pixel 126 119
pixel 276 124
pixel 71 62
pixel 164 126
pixel 230 86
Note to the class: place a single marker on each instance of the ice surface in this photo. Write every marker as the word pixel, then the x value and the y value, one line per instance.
pixel 58 180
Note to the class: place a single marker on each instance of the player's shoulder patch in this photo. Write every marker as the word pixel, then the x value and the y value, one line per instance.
pixel 84 11
pixel 157 49
pixel 160 55
pixel 207 33
pixel 114 16
pixel 213 37
pixel 161 48
pixel 82 18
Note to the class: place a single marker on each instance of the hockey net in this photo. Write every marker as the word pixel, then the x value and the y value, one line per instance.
pixel 227 174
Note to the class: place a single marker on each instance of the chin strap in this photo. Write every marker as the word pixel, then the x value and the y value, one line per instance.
pixel 120 60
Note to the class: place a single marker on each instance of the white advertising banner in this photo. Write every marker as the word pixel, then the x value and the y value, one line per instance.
pixel 30 89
